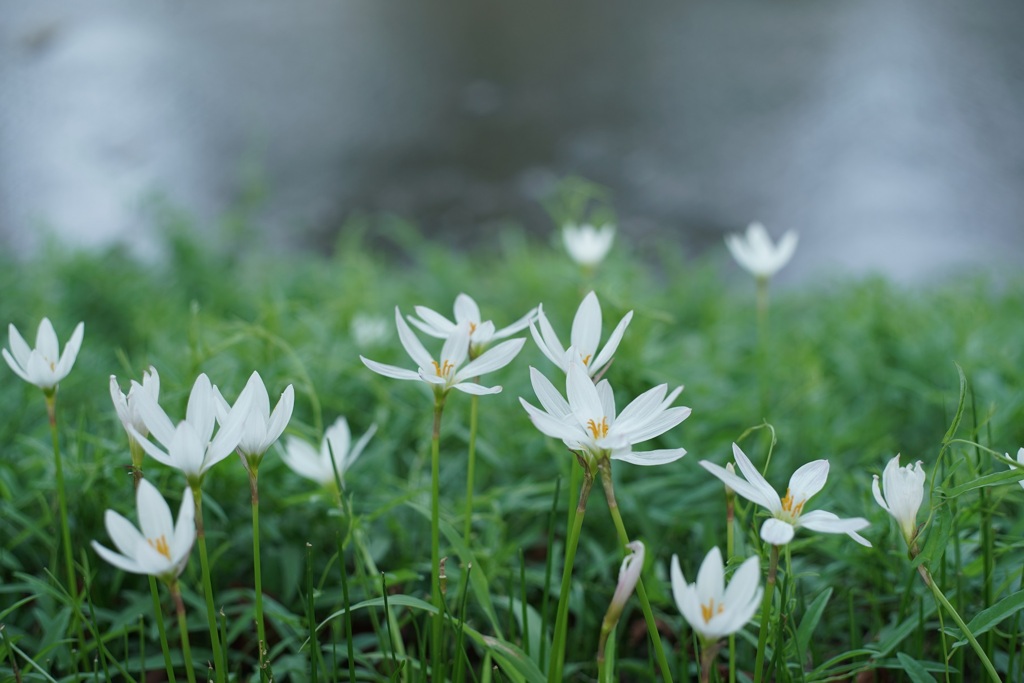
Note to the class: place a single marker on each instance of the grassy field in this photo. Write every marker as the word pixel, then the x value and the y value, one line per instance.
pixel 852 370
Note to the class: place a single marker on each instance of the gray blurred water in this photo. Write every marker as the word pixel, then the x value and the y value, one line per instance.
pixel 887 132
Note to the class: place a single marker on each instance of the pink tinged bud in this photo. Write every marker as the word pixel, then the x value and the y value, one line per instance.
pixel 629 575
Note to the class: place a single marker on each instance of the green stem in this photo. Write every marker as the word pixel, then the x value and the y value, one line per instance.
pixel 474 404
pixel 186 649
pixel 603 674
pixel 941 599
pixel 62 505
pixel 159 613
pixel 211 613
pixel 348 613
pixel 766 608
pixel 730 547
pixel 708 651
pixel 652 626
pixel 436 598
pixel 257 571
pixel 562 615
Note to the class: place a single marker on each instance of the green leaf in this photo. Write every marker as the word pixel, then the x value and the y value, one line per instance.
pixel 959 406
pixel 989 617
pixel 994 479
pixel 938 537
pixel 811 619
pixel 914 669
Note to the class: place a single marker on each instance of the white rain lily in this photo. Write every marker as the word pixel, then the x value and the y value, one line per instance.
pixel 369 331
pixel 126 404
pixel 1020 459
pixel 788 513
pixel 481 332
pixel 261 428
pixel 903 489
pixel 158 547
pixel 588 423
pixel 450 371
pixel 584 338
pixel 712 609
pixel 586 244
pixel 305 461
pixel 45 366
pixel 756 253
pixel 192 446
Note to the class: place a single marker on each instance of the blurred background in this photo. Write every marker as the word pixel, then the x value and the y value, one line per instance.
pixel 887 132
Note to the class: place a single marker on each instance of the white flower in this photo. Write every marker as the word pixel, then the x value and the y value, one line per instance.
pixel 904 491
pixel 481 332
pixel 629 575
pixel 126 404
pixel 756 253
pixel 788 513
pixel 586 244
pixel 369 331
pixel 1020 459
pixel 585 337
pixel 162 547
pixel 261 428
pixel 305 461
pixel 44 365
pixel 450 371
pixel 712 609
pixel 587 422
pixel 192 446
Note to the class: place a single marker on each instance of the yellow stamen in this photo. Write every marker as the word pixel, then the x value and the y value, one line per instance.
pixel 160 545
pixel 443 370
pixel 787 504
pixel 598 429
pixel 472 328
pixel 586 359
pixel 707 611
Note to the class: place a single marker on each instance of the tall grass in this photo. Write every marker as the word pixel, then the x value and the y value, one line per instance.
pixel 857 370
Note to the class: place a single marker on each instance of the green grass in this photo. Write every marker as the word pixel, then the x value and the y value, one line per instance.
pixel 856 370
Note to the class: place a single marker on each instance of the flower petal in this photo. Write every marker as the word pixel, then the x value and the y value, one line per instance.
pixel 410 343
pixel 586 327
pixel 391 371
pixel 491 360
pixel 612 345
pixel 808 480
pixel 776 531
pixel 657 457
pixel 768 494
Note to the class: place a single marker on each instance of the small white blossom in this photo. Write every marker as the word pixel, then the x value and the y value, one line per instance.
pixel 481 332
pixel 126 404
pixel 307 462
pixel 756 253
pixel 586 244
pixel 903 489
pixel 584 338
pixel 787 513
pixel 162 547
pixel 712 609
pixel 45 366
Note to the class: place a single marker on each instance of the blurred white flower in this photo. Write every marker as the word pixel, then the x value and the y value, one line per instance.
pixel 261 428
pixel 305 461
pixel 162 547
pixel 126 404
pixel 481 332
pixel 192 446
pixel 369 331
pixel 584 338
pixel 712 609
pixel 450 371
pixel 903 492
pixel 787 513
pixel 45 366
pixel 587 422
pixel 756 253
pixel 586 244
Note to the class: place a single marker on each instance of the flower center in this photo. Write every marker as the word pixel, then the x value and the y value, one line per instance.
pixel 598 429
pixel 443 370
pixel 160 545
pixel 788 506
pixel 709 610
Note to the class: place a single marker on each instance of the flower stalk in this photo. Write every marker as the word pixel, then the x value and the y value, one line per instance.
pixel 62 502
pixel 766 608
pixel 261 632
pixel 204 562
pixel 605 468
pixel 557 662
pixel 435 539
pixel 186 649
pixel 159 614
pixel 474 409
